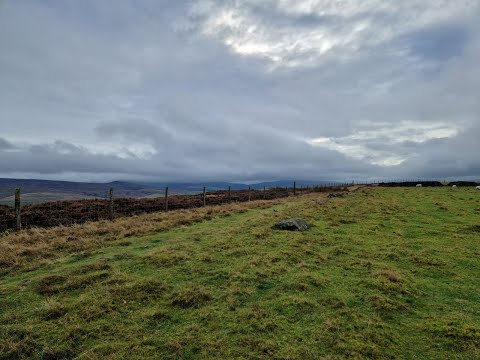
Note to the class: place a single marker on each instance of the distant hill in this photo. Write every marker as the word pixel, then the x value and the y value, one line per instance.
pixel 43 197
pixel 38 191
pixel 35 191
pixel 213 186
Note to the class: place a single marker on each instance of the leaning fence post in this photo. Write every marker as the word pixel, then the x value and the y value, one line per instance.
pixel 294 188
pixel 249 193
pixel 229 194
pixel 110 204
pixel 18 218
pixel 166 198
pixel 204 196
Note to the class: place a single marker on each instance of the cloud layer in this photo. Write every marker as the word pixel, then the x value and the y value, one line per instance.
pixel 296 33
pixel 239 90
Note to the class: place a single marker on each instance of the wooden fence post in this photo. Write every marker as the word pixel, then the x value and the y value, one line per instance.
pixel 166 198
pixel 110 204
pixel 204 196
pixel 18 225
pixel 294 188
pixel 264 193
pixel 229 194
pixel 249 193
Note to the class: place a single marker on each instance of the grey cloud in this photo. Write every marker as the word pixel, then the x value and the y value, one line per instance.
pixel 5 145
pixel 134 129
pixel 135 90
pixel 441 42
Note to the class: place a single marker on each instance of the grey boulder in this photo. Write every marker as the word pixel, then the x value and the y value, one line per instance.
pixel 292 225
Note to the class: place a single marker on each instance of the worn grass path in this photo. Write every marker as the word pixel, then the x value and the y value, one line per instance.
pixel 384 273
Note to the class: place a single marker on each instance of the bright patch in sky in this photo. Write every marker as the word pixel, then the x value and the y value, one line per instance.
pixel 363 144
pixel 315 27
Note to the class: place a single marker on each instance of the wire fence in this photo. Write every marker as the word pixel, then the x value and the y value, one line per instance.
pixel 69 212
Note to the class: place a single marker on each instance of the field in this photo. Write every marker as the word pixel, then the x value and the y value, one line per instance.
pixel 384 273
pixel 55 213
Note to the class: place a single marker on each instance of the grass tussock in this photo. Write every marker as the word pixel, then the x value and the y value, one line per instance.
pixel 54 284
pixel 18 344
pixel 455 332
pixel 53 309
pixel 141 291
pixel 97 266
pixel 191 296
pixel 167 257
pixel 391 282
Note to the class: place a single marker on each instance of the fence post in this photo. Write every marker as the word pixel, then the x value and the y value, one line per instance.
pixel 294 188
pixel 249 193
pixel 110 205
pixel 204 196
pixel 229 194
pixel 264 193
pixel 18 225
pixel 166 198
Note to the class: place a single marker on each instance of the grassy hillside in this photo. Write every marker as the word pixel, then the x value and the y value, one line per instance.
pixel 384 273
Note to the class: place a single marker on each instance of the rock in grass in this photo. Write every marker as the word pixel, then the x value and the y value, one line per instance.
pixel 294 224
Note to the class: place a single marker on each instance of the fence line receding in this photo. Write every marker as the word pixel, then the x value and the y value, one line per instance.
pixel 69 212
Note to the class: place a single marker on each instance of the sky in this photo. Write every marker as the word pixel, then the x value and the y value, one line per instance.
pixel 252 90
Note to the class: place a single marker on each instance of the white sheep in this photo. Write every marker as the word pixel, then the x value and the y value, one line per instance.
pixel 419 185
pixel 454 186
pixel 478 188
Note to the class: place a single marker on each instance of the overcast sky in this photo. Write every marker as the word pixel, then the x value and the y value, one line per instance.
pixel 239 90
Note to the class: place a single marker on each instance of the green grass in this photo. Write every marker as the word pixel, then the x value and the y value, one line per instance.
pixel 384 273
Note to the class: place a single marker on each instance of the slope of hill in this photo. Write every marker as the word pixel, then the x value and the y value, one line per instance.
pixel 384 273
